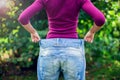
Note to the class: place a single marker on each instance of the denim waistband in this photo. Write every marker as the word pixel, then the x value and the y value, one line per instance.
pixel 61 42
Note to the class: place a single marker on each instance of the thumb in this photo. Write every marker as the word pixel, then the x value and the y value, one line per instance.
pixel 38 37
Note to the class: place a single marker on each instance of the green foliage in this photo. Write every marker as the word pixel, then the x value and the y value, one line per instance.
pixel 102 56
pixel 27 76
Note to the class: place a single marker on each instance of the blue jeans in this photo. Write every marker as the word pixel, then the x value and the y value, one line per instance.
pixel 61 55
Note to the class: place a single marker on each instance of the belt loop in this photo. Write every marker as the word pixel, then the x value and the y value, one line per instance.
pixel 81 42
pixel 57 41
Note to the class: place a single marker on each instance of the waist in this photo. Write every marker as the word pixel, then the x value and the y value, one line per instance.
pixel 61 42
pixel 59 35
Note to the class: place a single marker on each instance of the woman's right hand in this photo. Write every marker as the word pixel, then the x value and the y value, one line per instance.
pixel 89 37
pixel 35 37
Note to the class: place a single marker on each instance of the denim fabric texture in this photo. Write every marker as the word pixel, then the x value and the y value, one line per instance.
pixel 61 55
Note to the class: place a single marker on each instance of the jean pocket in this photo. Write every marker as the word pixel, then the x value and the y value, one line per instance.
pixel 49 51
pixel 78 51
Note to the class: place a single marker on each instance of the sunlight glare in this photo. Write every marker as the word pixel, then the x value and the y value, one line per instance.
pixel 3 3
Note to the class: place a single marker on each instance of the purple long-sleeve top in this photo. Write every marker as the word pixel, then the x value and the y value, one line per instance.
pixel 62 15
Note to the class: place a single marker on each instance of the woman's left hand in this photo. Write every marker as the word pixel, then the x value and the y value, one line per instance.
pixel 35 37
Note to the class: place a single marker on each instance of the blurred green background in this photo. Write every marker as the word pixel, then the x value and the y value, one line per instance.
pixel 18 55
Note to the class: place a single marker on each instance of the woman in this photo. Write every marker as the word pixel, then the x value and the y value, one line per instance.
pixel 62 51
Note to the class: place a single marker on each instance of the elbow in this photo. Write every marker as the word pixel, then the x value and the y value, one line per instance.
pixel 20 20
pixel 99 20
pixel 23 20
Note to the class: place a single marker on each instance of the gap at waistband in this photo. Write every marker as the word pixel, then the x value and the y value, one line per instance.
pixel 61 42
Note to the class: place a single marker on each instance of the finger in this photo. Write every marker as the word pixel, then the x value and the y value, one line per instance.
pixel 38 37
pixel 85 38
pixel 32 40
pixel 92 41
pixel 37 40
pixel 88 40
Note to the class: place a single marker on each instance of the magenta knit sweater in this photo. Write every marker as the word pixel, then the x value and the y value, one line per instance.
pixel 62 15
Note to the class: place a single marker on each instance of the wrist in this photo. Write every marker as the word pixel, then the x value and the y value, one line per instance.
pixel 33 32
pixel 92 32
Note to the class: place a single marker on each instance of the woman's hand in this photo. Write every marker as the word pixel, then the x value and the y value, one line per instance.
pixel 35 37
pixel 89 37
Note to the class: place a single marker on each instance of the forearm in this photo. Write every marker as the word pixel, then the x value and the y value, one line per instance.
pixel 34 35
pixel 29 28
pixel 95 28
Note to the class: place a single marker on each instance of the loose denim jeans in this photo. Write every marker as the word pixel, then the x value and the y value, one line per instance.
pixel 61 55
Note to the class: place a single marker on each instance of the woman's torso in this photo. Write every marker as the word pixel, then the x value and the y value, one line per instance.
pixel 62 17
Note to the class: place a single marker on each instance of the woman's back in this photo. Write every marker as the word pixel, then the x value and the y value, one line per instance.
pixel 59 8
pixel 62 15
pixel 61 52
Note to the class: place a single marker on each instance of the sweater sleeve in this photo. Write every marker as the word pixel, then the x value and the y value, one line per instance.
pixel 95 13
pixel 24 17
